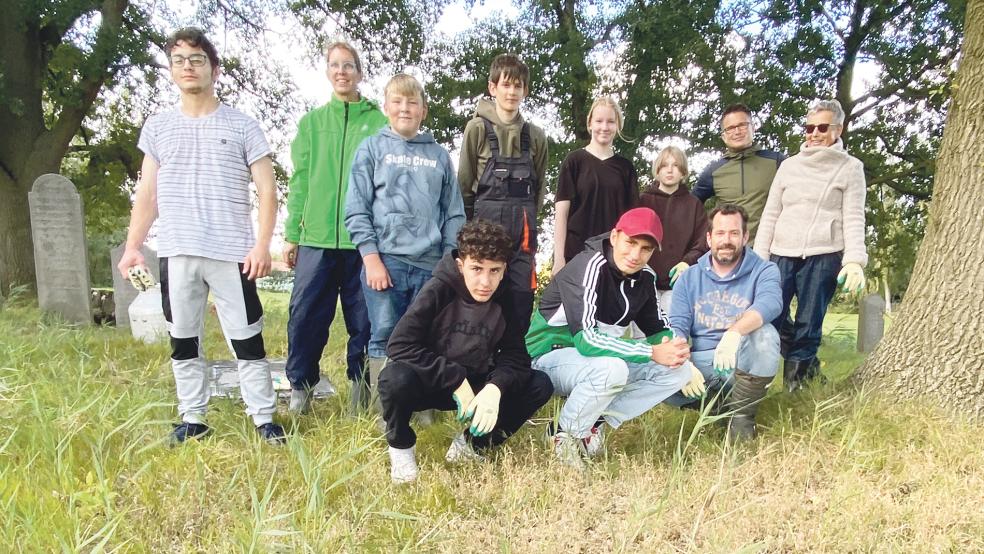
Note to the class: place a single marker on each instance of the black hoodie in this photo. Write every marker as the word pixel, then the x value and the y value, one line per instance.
pixel 447 336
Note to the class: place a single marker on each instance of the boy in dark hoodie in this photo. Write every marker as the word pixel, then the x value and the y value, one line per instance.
pixel 458 347
pixel 403 211
pixel 502 171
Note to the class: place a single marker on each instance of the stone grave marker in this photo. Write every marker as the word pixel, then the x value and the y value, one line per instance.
pixel 871 322
pixel 123 292
pixel 224 380
pixel 58 230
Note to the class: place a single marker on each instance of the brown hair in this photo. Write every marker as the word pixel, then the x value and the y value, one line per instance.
pixel 348 47
pixel 194 37
pixel 480 239
pixel 510 67
pixel 736 108
pixel 728 209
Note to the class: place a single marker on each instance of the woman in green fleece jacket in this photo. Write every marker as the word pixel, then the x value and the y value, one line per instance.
pixel 317 245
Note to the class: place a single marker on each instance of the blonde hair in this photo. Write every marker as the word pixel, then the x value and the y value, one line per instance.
pixel 672 154
pixel 347 47
pixel 608 102
pixel 405 85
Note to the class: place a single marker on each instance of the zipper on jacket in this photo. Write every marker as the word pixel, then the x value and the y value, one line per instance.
pixel 621 289
pixel 743 176
pixel 341 174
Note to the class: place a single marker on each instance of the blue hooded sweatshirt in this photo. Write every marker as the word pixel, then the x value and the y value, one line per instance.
pixel 705 305
pixel 403 199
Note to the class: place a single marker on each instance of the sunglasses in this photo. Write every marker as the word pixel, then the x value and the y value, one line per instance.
pixel 823 127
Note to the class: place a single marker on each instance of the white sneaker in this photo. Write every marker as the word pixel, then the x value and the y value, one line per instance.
pixel 569 449
pixel 594 444
pixel 300 401
pixel 403 465
pixel 461 451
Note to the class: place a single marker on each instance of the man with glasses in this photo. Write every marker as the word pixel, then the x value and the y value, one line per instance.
pixel 199 159
pixel 743 176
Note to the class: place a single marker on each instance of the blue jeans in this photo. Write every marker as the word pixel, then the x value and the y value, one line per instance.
pixel 320 276
pixel 813 281
pixel 758 354
pixel 597 386
pixel 386 307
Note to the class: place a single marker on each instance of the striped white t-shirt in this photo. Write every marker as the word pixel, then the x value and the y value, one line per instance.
pixel 203 200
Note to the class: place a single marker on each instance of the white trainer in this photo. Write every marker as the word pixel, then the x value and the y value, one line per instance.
pixel 403 465
pixel 569 449
pixel 461 452
pixel 594 444
pixel 300 401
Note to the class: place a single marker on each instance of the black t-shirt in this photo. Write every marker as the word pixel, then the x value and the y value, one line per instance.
pixel 600 191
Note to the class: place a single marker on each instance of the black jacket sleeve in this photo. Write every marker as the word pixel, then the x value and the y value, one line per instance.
pixel 651 319
pixel 511 363
pixel 411 341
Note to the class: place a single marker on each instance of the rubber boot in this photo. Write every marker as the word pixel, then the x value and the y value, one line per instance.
pixel 360 397
pixel 746 394
pixel 813 371
pixel 793 374
pixel 375 367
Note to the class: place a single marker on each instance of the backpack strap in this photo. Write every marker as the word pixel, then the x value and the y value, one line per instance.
pixel 491 137
pixel 524 139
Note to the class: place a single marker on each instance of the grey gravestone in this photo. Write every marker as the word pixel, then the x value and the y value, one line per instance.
pixel 224 381
pixel 123 292
pixel 871 322
pixel 58 229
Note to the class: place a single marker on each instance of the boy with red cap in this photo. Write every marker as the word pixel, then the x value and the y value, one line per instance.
pixel 577 337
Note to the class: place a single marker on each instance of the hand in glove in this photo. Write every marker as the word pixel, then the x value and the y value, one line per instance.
pixel 726 353
pixel 140 277
pixel 851 276
pixel 676 271
pixel 485 406
pixel 695 388
pixel 463 396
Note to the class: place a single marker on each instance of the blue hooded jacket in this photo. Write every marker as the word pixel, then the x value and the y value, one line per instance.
pixel 403 199
pixel 705 305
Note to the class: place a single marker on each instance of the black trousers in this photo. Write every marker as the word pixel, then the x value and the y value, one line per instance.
pixel 402 392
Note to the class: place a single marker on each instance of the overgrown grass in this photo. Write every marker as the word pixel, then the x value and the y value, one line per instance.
pixel 83 468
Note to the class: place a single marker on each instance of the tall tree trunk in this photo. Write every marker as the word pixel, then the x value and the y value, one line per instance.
pixel 934 348
pixel 16 248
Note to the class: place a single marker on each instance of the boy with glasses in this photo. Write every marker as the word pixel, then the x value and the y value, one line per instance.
pixel 199 159
pixel 743 176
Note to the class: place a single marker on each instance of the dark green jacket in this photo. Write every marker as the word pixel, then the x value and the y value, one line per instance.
pixel 322 153
pixel 742 178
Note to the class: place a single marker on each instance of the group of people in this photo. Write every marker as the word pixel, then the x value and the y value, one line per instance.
pixel 651 299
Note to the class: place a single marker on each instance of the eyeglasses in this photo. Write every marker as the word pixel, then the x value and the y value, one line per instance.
pixel 196 60
pixel 347 67
pixel 823 127
pixel 735 128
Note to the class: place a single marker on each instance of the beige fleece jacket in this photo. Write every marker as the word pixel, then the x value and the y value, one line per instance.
pixel 815 206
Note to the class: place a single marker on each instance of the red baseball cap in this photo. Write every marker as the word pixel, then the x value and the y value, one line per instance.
pixel 641 222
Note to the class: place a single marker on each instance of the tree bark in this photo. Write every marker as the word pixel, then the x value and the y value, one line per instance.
pixel 16 248
pixel 934 348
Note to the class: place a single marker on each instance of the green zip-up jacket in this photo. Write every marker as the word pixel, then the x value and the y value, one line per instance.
pixel 744 178
pixel 322 153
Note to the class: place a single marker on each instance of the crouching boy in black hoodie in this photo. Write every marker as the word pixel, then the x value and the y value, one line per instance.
pixel 458 347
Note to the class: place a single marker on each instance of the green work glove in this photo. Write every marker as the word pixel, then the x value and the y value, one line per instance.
pixel 726 353
pixel 463 396
pixel 485 406
pixel 851 276
pixel 676 271
pixel 695 388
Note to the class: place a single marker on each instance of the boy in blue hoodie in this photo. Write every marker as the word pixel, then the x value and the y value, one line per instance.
pixel 403 211
pixel 724 307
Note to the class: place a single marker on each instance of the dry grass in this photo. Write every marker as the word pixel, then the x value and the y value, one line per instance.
pixel 835 469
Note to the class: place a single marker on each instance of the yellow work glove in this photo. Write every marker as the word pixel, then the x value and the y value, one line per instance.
pixel 140 278
pixel 726 353
pixel 485 406
pixel 463 396
pixel 676 271
pixel 851 276
pixel 695 388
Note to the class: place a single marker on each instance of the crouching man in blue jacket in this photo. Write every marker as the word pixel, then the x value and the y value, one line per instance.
pixel 460 347
pixel 723 306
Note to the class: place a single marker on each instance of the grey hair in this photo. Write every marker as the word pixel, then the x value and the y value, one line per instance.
pixel 832 106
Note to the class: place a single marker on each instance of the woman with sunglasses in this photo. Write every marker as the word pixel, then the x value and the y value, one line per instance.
pixel 813 229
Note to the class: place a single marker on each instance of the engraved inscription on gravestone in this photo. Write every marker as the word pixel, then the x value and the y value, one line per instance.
pixel 123 292
pixel 58 230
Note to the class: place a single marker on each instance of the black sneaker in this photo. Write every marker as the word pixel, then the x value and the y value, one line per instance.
pixel 185 430
pixel 272 434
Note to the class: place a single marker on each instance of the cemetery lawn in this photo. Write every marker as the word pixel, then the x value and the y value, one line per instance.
pixel 83 468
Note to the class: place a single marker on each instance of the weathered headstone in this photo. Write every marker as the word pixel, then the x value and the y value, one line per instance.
pixel 58 229
pixel 123 292
pixel 871 322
